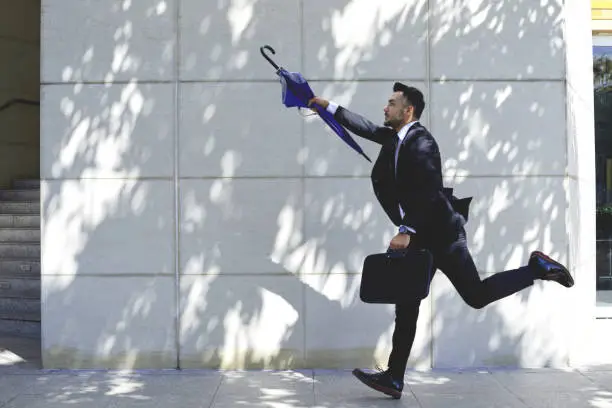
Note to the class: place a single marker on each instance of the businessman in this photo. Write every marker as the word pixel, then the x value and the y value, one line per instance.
pixel 407 181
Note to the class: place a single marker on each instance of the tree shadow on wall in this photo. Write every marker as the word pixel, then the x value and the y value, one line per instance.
pixel 274 226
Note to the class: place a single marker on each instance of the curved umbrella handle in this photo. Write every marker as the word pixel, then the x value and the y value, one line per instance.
pixel 267 47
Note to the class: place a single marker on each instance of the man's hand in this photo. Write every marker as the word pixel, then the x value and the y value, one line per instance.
pixel 400 241
pixel 318 101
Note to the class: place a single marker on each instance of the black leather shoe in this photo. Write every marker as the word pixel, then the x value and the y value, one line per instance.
pixel 546 268
pixel 381 381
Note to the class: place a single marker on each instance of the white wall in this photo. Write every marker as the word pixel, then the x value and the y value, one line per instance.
pixel 165 145
pixel 19 78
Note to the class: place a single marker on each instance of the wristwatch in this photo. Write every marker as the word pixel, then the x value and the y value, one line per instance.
pixel 404 230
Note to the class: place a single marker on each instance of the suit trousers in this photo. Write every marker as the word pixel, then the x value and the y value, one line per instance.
pixel 456 263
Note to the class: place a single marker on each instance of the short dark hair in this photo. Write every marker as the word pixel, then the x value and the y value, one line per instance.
pixel 413 96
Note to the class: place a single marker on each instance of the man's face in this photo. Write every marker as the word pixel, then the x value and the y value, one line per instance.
pixel 397 111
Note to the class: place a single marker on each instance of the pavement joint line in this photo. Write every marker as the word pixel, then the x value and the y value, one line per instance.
pixel 518 397
pixel 605 387
pixel 213 400
pixel 415 396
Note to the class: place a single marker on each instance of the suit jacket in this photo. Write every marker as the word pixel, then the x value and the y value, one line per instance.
pixel 429 207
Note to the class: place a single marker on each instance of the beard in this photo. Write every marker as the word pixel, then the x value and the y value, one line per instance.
pixel 392 122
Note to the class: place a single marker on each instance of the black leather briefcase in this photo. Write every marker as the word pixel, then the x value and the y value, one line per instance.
pixel 396 276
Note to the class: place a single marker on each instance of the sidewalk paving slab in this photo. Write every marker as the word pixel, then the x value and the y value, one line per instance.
pixel 511 388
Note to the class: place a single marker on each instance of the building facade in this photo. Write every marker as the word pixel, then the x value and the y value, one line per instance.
pixel 190 220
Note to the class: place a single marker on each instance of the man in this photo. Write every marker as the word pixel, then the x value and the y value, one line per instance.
pixel 407 181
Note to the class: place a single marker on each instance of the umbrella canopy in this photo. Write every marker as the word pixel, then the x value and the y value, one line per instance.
pixel 296 92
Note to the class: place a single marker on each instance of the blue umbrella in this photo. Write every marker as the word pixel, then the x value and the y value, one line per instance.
pixel 296 93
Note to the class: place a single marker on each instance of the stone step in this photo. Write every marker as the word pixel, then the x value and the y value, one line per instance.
pixel 19 287
pixel 19 267
pixel 19 235
pixel 19 195
pixel 20 207
pixel 20 328
pixel 20 309
pixel 26 184
pixel 30 250
pixel 19 221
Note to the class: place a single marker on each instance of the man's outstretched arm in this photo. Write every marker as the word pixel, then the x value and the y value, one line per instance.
pixel 354 122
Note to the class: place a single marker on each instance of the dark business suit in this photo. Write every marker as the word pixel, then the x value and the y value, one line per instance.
pixel 416 184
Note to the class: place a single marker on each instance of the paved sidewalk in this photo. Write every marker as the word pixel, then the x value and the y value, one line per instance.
pixel 26 387
pixel 23 384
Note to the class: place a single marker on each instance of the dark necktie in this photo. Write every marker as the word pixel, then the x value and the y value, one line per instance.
pixel 398 144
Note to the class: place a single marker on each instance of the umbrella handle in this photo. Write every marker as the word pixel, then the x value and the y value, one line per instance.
pixel 267 47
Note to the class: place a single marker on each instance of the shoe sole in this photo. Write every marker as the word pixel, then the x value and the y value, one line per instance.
pixel 570 280
pixel 388 391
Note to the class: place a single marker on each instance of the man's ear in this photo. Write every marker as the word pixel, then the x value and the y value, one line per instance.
pixel 410 109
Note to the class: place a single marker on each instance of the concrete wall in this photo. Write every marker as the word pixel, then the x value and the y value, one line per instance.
pixel 190 220
pixel 19 78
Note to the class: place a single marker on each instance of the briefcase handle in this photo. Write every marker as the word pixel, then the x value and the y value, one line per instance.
pixel 396 253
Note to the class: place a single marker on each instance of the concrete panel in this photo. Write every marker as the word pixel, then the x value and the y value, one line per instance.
pixel 497 40
pixel 581 132
pixel 500 128
pixel 343 332
pixel 234 322
pixel 365 39
pixel 238 129
pixel 593 349
pixel 221 40
pixel 588 338
pixel 588 345
pixel 528 329
pixel 510 217
pixel 343 223
pixel 325 153
pixel 114 131
pixel 231 226
pixel 102 40
pixel 108 322
pixel 107 227
pixel 578 45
